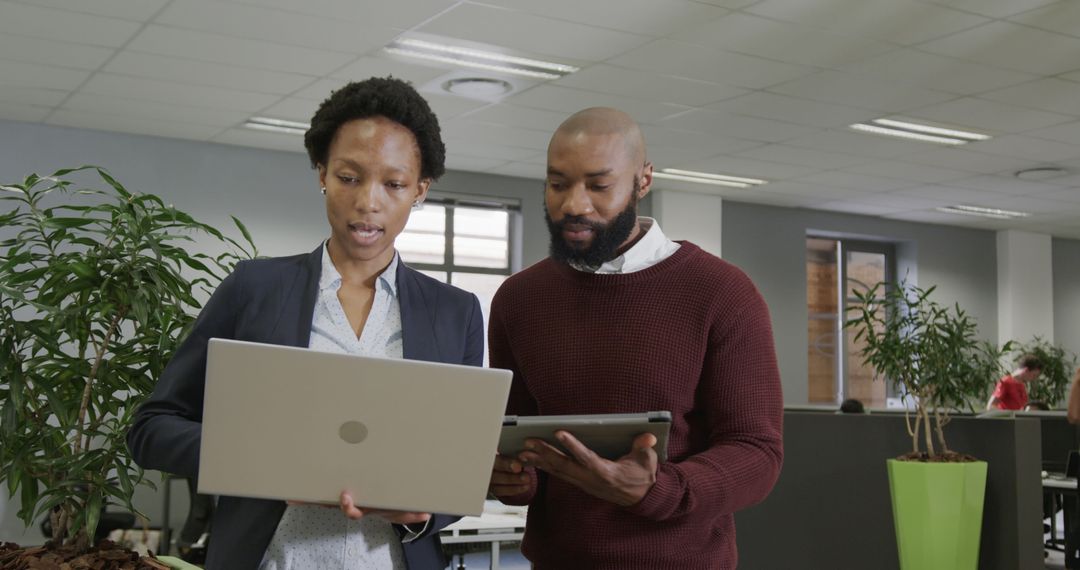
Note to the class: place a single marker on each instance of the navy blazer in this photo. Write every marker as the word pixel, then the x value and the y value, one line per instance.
pixel 272 301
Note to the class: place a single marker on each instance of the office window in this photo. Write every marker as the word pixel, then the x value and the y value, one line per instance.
pixel 835 269
pixel 466 244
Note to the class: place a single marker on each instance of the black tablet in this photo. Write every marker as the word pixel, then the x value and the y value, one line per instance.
pixel 609 435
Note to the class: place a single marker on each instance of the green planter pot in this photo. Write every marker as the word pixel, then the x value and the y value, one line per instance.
pixel 937 509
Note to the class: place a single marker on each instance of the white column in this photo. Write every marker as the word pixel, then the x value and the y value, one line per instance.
pixel 689 216
pixel 1025 286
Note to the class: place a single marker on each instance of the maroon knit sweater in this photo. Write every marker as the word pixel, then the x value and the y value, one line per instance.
pixel 691 335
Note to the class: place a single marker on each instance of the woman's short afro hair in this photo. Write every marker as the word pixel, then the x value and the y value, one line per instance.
pixel 378 97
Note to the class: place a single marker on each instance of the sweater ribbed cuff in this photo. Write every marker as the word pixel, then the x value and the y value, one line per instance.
pixel 663 498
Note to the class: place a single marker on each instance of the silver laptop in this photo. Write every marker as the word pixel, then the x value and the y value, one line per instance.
pixel 291 423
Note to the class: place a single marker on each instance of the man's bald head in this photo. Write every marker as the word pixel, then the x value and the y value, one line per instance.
pixel 604 121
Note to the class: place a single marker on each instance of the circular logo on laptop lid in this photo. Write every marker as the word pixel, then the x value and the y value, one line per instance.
pixel 353 432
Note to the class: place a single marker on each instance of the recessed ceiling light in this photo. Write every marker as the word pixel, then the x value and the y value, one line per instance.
pixel 918 132
pixel 479 59
pixel 478 87
pixel 708 178
pixel 276 125
pixel 983 212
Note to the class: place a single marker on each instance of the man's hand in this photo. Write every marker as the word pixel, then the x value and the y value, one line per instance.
pixel 508 477
pixel 623 482
pixel 396 517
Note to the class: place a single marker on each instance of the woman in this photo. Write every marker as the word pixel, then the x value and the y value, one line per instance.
pixel 377 148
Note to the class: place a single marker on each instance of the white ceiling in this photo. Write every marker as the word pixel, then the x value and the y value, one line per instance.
pixel 758 88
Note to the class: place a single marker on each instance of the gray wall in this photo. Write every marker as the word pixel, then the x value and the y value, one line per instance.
pixel 1066 260
pixel 770 245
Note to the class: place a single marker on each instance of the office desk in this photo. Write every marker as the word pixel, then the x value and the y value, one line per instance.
pixel 498 523
pixel 1065 487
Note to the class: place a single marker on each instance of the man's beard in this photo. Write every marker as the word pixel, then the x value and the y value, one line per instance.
pixel 606 237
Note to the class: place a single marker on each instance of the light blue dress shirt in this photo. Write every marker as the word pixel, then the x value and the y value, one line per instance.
pixel 312 537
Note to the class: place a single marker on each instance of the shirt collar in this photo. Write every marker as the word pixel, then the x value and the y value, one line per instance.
pixel 331 279
pixel 642 254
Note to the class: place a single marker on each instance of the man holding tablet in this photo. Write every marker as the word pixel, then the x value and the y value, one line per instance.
pixel 620 319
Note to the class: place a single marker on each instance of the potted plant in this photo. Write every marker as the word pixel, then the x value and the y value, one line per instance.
pixel 1057 372
pixel 97 289
pixel 934 359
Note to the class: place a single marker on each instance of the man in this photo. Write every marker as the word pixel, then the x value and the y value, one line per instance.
pixel 620 319
pixel 1011 391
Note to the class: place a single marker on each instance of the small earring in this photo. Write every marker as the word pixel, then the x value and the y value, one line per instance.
pixel 417 204
pixel 323 190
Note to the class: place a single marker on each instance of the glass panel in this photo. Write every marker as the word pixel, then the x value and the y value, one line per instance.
pixel 481 238
pixel 484 287
pixel 864 270
pixel 440 275
pixel 822 313
pixel 424 238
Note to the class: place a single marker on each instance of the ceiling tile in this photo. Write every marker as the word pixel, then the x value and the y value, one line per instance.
pixel 515 116
pixel 696 62
pixel 648 17
pixel 463 129
pixel 124 106
pixel 261 139
pixel 893 200
pixel 401 15
pixel 861 92
pixel 851 142
pixel 51 52
pixel 863 182
pixel 991 116
pixel 382 66
pixel 271 25
pixel 802 156
pixel 965 160
pixel 1066 195
pixel 934 217
pixel 176 93
pixel 49 23
pixel 21 112
pixel 1027 147
pixel 897 21
pixel 767 105
pixel 32 95
pixel 819 192
pixel 205 73
pixel 700 143
pixel 136 10
pixel 477 149
pixel 520 170
pixel 567 100
pixel 1060 17
pixel 1067 133
pixel 531 34
pixel 949 194
pixel 674 157
pixel 135 125
pixel 214 48
pixel 781 41
pixel 1005 185
pixel 645 85
pixel 448 106
pixel 40 76
pixel 292 108
pixel 1050 94
pixel 848 207
pixel 737 126
pixel 994 8
pixel 472 163
pixel 1032 205
pixel 748 167
pixel 905 171
pixel 1005 44
pixel 938 72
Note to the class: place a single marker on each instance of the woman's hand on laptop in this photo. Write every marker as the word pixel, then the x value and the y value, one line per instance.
pixel 396 517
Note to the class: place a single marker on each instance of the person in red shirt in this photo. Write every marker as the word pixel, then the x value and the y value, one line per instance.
pixel 1011 391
